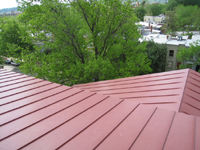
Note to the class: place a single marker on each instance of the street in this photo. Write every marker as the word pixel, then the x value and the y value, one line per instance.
pixel 9 67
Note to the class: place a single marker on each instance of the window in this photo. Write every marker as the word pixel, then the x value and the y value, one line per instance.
pixel 170 64
pixel 171 53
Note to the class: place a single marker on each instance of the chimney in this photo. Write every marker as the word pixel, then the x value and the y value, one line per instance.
pixel 151 29
pixel 137 4
pixel 167 36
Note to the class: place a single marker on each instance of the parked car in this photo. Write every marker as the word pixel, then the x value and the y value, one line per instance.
pixel 14 63
pixel 7 62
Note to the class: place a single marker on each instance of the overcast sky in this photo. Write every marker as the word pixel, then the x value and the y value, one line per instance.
pixel 7 4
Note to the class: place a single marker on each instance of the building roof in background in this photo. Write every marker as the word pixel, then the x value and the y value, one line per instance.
pixel 157 38
pixel 194 39
pixel 164 90
pixel 146 24
pixel 37 114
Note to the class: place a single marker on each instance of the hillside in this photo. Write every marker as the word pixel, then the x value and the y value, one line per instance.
pixel 5 10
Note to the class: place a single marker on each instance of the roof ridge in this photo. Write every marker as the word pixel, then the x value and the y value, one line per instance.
pixel 188 71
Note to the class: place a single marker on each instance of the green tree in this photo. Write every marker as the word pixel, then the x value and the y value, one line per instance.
pixel 157 54
pixel 170 22
pixel 188 2
pixel 183 18
pixel 154 9
pixel 186 17
pixel 91 40
pixel 170 6
pixel 11 42
pixel 191 55
pixel 140 12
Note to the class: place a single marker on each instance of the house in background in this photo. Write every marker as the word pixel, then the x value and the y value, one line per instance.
pixel 173 44
pixel 157 19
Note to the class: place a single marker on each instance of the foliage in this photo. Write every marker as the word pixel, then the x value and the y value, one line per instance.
pixel 140 12
pixel 170 6
pixel 88 40
pixel 11 42
pixel 170 22
pixel 1 62
pixel 188 2
pixel 157 54
pixel 186 16
pixel 154 9
pixel 191 55
pixel 183 18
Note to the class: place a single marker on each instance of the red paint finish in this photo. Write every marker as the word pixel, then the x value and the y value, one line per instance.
pixel 182 134
pixel 37 114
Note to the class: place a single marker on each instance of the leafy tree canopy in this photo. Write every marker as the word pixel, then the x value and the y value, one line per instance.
pixel 157 54
pixel 170 6
pixel 189 55
pixel 86 41
pixel 188 2
pixel 183 18
pixel 140 12
pixel 155 9
pixel 11 42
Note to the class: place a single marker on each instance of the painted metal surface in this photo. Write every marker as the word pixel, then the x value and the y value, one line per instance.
pixel 191 97
pixel 175 90
pixel 52 116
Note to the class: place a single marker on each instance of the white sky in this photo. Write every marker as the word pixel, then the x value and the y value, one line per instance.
pixel 7 4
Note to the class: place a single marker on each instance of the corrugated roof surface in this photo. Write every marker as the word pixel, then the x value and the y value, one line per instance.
pixel 163 90
pixel 37 114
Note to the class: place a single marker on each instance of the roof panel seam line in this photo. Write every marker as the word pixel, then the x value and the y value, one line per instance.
pixel 194 84
pixel 29 95
pixel 90 124
pixel 184 90
pixel 18 82
pixel 37 100
pixel 44 119
pixel 63 123
pixel 27 90
pixel 10 77
pixel 86 84
pixel 192 106
pixel 195 74
pixel 195 79
pixel 144 91
pixel 21 86
pixel 151 96
pixel 14 79
pixel 47 106
pixel 135 87
pixel 193 90
pixel 117 125
pixel 192 97
pixel 130 83
pixel 168 131
pixel 142 129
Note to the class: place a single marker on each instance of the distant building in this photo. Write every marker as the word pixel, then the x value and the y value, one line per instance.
pixel 173 44
pixel 157 1
pixel 12 13
pixel 156 19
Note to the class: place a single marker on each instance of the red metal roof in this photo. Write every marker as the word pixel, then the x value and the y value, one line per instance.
pixel 175 90
pixel 37 114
